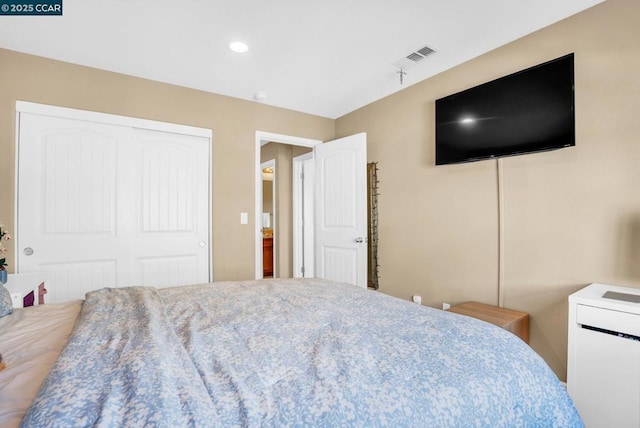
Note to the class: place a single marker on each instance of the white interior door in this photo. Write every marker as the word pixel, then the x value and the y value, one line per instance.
pixel 104 205
pixel 341 210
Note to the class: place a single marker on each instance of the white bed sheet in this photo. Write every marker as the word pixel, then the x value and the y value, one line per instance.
pixel 30 341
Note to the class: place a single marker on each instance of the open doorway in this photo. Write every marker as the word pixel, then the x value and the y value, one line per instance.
pixel 282 149
pixel 268 217
pixel 278 210
pixel 340 207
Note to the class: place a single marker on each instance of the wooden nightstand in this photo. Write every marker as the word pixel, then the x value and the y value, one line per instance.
pixel 515 321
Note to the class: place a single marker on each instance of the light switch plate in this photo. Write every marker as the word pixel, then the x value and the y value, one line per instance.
pixel 244 218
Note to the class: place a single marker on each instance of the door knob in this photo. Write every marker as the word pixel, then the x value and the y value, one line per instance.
pixel 360 240
pixel 28 251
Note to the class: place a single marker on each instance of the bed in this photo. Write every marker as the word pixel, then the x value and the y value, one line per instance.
pixel 30 341
pixel 285 353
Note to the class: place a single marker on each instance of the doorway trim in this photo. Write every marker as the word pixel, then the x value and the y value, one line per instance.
pixel 261 139
pixel 111 119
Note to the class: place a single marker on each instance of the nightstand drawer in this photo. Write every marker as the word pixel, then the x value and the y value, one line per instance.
pixel 607 319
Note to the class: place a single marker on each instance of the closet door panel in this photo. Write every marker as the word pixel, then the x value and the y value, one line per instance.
pixel 171 197
pixel 67 203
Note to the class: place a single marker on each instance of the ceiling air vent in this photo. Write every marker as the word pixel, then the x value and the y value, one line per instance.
pixel 414 58
pixel 426 51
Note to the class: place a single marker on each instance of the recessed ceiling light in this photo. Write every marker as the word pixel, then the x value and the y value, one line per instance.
pixel 260 96
pixel 239 47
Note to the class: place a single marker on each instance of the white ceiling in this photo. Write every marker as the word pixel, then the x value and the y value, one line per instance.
pixel 326 57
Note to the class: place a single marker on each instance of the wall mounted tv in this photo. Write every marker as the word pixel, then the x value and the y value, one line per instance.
pixel 525 112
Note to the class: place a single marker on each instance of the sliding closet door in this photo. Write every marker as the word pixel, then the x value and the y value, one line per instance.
pixel 171 206
pixel 103 205
pixel 67 202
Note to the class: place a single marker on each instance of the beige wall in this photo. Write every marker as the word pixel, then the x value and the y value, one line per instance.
pixel 571 217
pixel 233 121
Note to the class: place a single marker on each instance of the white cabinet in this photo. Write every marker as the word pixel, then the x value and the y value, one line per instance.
pixel 603 376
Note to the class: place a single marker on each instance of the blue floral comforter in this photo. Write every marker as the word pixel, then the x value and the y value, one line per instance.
pixel 291 353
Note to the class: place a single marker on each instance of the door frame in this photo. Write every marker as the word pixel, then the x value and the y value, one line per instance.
pixel 261 139
pixel 112 119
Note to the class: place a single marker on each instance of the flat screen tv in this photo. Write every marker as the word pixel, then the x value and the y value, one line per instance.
pixel 525 112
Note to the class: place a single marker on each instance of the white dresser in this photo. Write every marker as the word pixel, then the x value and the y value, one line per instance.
pixel 603 373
